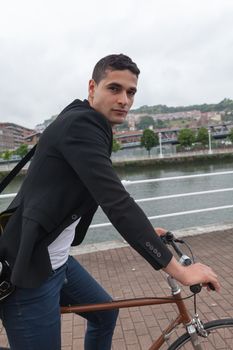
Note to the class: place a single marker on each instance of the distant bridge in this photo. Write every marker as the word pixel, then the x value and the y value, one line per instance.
pixel 217 132
pixel 170 136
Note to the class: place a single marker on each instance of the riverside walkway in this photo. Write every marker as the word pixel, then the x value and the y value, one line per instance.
pixel 125 274
pixel 119 160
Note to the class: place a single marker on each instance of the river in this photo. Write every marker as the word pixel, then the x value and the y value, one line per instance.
pixel 166 206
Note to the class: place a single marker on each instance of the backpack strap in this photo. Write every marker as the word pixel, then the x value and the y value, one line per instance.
pixel 9 177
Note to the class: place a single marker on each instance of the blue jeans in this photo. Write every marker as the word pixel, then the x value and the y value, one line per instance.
pixel 32 316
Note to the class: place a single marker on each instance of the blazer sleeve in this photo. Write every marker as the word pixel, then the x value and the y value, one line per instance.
pixel 85 146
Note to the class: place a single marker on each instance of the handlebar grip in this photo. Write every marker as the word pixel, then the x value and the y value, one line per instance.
pixel 195 288
pixel 211 286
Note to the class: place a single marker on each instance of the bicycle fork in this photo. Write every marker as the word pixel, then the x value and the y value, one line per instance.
pixel 196 332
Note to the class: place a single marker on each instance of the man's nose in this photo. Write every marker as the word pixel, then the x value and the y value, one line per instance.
pixel 123 98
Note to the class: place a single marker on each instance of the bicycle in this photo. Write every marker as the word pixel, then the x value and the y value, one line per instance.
pixel 217 334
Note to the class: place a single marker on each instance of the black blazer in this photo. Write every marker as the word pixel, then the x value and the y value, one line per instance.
pixel 70 175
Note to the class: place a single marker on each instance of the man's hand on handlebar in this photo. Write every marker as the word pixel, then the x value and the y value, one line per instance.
pixel 193 274
pixel 160 231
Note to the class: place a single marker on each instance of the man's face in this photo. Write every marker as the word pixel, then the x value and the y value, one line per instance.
pixel 114 95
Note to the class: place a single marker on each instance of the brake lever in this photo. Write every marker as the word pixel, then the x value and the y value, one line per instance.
pixel 167 239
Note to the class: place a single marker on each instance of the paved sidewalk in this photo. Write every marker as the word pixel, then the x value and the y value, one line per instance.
pixel 125 274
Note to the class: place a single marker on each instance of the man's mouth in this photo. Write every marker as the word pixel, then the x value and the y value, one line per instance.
pixel 120 111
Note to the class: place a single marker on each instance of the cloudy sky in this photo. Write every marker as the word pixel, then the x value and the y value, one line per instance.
pixel 48 48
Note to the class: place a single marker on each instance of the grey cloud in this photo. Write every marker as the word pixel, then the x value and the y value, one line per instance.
pixel 183 48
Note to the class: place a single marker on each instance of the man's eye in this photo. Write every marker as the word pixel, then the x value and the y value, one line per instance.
pixel 113 88
pixel 131 93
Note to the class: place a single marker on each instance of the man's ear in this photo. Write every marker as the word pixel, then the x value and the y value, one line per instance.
pixel 91 88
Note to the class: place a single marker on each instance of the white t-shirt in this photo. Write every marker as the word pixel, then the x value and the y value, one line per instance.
pixel 60 248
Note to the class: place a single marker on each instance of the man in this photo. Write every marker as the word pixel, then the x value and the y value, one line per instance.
pixel 70 175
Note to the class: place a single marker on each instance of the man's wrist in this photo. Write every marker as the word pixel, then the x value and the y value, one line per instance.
pixel 175 270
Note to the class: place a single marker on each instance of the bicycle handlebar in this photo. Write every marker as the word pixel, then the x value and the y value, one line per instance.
pixel 169 239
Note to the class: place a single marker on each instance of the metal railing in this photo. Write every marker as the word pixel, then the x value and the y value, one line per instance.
pixel 179 195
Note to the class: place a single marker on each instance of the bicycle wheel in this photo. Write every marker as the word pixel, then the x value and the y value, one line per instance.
pixel 220 336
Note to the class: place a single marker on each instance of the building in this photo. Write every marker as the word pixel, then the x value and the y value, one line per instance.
pixel 193 115
pixel 12 136
pixel 32 139
pixel 125 137
pixel 6 139
pixel 41 127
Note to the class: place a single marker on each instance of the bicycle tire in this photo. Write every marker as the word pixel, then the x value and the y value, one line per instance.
pixel 220 337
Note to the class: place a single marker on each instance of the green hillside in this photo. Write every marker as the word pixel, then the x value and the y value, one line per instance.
pixel 224 105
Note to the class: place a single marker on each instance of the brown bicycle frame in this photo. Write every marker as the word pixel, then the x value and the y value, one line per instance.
pixel 183 316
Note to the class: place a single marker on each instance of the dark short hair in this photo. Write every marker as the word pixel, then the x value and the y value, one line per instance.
pixel 113 62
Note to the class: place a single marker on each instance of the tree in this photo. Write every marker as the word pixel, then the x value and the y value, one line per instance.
pixel 145 122
pixel 116 146
pixel 231 135
pixel 22 150
pixel 203 136
pixel 160 124
pixel 6 156
pixel 186 137
pixel 149 139
pixel 123 126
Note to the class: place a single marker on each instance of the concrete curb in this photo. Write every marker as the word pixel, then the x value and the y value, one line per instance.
pixel 191 231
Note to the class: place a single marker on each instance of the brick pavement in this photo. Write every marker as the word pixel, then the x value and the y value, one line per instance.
pixel 125 274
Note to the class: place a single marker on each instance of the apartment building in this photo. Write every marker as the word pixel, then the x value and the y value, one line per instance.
pixel 13 135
